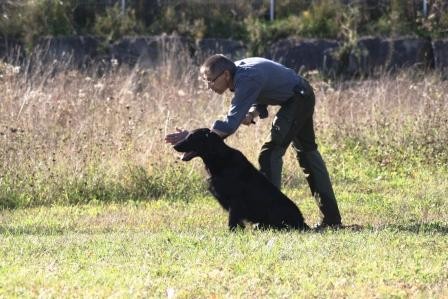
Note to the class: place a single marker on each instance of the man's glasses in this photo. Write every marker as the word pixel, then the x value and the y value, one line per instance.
pixel 212 81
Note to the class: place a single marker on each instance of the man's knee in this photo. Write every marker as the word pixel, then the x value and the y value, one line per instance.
pixel 273 148
pixel 311 162
pixel 269 152
pixel 271 162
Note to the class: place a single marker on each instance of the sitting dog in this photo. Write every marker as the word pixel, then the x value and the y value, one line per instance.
pixel 238 186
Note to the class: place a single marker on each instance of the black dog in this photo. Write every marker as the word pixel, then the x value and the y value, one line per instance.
pixel 238 186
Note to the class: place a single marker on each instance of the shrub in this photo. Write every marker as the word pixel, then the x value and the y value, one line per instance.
pixel 11 20
pixel 198 20
pixel 261 33
pixel 243 20
pixel 321 20
pixel 114 24
pixel 173 20
pixel 47 17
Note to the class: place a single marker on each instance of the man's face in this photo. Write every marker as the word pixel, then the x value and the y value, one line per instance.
pixel 217 82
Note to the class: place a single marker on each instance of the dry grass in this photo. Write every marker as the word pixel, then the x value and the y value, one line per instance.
pixel 396 111
pixel 69 136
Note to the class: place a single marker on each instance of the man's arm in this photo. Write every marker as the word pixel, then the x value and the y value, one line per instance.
pixel 246 93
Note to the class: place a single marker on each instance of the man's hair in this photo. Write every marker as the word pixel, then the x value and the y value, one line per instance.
pixel 217 64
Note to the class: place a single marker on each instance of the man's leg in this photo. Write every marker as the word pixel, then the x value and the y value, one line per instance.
pixel 316 174
pixel 283 129
pixel 273 150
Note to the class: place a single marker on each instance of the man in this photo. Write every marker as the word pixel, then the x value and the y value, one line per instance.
pixel 256 83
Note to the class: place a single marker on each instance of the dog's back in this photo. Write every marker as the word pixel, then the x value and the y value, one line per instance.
pixel 239 187
pixel 239 184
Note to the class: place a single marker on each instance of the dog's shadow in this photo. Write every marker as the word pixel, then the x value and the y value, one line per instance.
pixel 414 227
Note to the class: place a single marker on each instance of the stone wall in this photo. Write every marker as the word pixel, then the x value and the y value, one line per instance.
pixel 366 56
pixel 440 49
pixel 371 54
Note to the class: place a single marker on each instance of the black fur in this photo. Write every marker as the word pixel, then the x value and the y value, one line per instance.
pixel 238 186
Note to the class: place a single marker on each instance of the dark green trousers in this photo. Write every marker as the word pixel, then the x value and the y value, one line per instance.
pixel 294 123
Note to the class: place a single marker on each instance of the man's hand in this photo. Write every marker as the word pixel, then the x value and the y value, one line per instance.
pixel 249 119
pixel 174 138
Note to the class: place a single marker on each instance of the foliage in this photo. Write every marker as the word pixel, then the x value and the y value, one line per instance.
pixel 197 21
pixel 114 24
pixel 11 20
pixel 321 19
pixel 246 21
pixel 436 23
pixel 173 20
pixel 51 17
pixel 262 33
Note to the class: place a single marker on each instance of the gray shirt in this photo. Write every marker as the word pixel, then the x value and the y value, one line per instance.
pixel 258 82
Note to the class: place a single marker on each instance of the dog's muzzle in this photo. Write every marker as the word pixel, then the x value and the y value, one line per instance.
pixel 188 156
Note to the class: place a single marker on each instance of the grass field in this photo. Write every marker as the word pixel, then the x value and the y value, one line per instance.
pixel 183 249
pixel 94 204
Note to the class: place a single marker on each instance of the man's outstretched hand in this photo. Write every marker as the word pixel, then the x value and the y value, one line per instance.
pixel 174 138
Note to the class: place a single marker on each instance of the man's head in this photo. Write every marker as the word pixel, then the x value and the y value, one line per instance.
pixel 218 71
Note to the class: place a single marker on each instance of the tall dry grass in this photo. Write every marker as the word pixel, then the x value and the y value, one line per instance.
pixel 69 136
pixel 394 117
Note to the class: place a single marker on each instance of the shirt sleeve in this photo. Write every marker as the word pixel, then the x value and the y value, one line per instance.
pixel 246 94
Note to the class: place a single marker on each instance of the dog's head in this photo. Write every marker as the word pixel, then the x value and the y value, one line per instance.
pixel 198 143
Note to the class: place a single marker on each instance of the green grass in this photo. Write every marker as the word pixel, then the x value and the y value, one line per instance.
pixel 181 248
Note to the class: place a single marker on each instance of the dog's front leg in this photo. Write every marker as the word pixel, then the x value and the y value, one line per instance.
pixel 235 219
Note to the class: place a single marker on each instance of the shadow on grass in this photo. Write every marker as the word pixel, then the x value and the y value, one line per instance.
pixel 415 227
pixel 53 231
pixel 35 230
pixel 419 227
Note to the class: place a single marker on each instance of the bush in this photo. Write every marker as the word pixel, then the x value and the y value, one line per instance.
pixel 321 20
pixel 262 33
pixel 242 20
pixel 114 24
pixel 47 17
pixel 11 20
pixel 198 20
pixel 326 19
